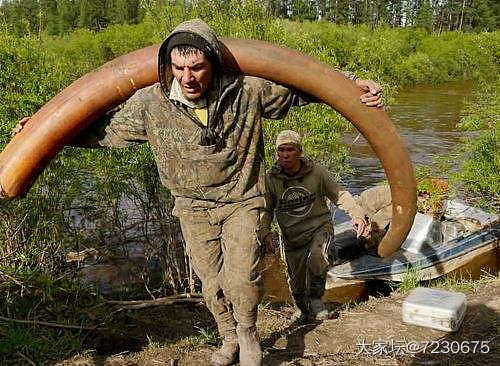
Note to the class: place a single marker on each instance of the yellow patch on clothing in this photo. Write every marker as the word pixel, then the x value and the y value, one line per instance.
pixel 202 114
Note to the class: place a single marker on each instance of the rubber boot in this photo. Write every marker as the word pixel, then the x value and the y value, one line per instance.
pixel 302 313
pixel 299 317
pixel 318 309
pixel 250 351
pixel 227 354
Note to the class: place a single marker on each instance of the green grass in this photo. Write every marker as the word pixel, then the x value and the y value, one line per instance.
pixel 207 336
pixel 152 344
pixel 463 283
pixel 411 280
pixel 185 345
pixel 42 299
pixel 453 282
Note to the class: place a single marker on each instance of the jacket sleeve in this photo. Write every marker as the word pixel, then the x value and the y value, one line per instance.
pixel 267 213
pixel 123 126
pixel 276 100
pixel 340 196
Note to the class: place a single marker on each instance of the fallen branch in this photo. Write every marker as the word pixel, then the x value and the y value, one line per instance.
pixel 47 324
pixel 176 299
pixel 291 352
pixel 26 359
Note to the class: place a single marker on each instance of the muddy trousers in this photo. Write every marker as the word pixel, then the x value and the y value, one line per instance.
pixel 307 266
pixel 224 255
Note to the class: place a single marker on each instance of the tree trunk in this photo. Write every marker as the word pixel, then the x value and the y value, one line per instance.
pixel 462 15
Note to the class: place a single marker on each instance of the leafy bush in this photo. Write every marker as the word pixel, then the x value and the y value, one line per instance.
pixel 479 173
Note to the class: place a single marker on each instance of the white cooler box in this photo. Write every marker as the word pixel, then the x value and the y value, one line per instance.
pixel 438 309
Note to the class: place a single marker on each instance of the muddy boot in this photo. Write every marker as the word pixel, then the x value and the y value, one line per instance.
pixel 318 309
pixel 300 318
pixel 228 353
pixel 250 351
pixel 302 314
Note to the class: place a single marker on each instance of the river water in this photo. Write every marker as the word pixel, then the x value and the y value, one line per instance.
pixel 425 116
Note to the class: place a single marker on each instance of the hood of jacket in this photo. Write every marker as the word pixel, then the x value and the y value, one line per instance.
pixel 200 33
pixel 279 173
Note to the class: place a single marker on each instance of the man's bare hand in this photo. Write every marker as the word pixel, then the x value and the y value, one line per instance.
pixel 373 93
pixel 367 232
pixel 271 243
pixel 360 226
pixel 19 126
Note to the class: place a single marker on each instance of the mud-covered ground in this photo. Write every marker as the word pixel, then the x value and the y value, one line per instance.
pixel 370 333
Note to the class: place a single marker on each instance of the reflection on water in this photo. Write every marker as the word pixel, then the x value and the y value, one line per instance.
pixel 425 116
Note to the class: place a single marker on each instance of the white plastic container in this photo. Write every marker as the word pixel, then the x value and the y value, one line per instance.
pixel 438 309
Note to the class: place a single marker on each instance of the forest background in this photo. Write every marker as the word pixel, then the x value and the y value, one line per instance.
pixel 106 202
pixel 57 17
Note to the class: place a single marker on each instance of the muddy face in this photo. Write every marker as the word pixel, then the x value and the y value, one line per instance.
pixel 193 72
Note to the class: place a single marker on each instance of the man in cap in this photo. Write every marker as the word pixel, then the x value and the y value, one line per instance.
pixel 204 126
pixel 296 193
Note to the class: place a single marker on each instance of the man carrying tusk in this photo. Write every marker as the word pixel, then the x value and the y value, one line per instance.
pixel 204 125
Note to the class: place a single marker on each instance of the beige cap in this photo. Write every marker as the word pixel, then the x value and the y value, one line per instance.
pixel 288 137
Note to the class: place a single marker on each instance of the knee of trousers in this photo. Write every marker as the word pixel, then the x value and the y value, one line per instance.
pixel 318 264
pixel 244 286
pixel 210 285
pixel 245 294
pixel 214 296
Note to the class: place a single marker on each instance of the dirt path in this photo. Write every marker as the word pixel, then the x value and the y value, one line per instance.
pixel 367 334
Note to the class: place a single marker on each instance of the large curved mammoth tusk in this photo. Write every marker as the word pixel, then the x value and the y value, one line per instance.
pixel 72 110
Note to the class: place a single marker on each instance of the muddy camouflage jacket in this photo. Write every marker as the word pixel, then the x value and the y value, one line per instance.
pixel 202 176
pixel 299 202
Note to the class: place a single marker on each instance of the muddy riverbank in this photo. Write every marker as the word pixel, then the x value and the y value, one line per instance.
pixel 363 334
